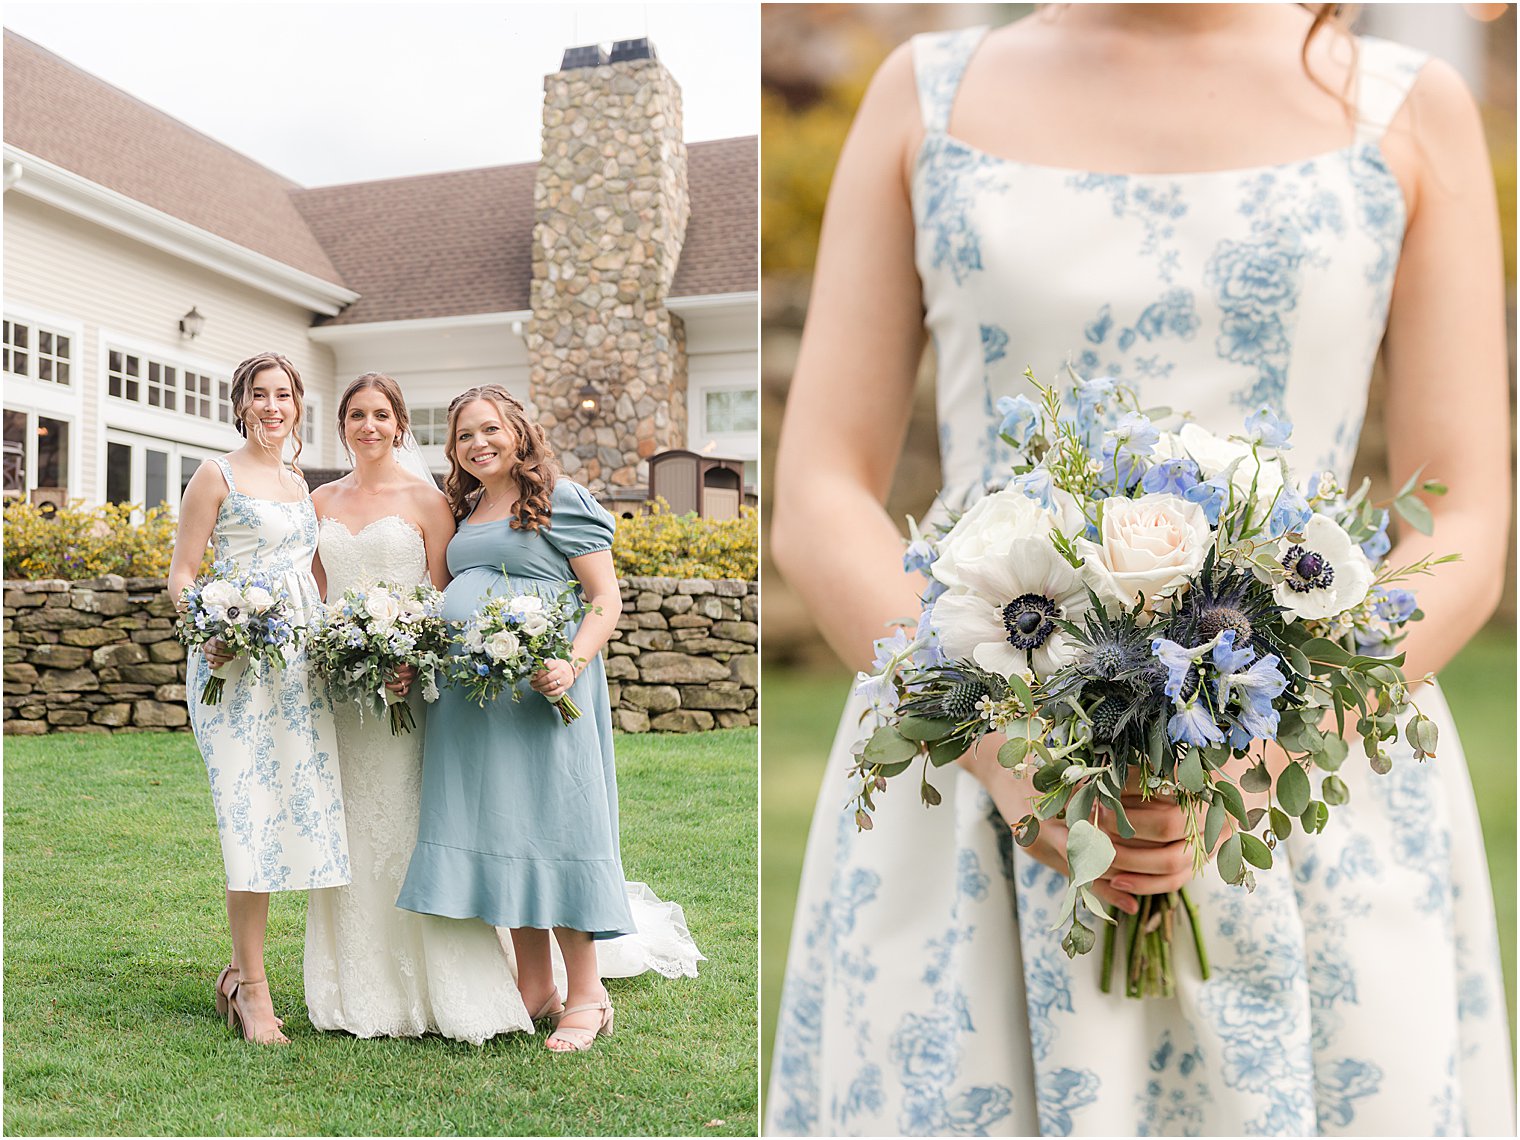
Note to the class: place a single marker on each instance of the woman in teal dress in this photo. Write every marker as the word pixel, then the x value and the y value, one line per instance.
pixel 519 821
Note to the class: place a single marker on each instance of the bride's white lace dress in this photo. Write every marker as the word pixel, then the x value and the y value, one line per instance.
pixel 374 970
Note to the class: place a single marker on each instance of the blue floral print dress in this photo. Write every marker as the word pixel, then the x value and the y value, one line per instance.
pixel 1358 990
pixel 270 745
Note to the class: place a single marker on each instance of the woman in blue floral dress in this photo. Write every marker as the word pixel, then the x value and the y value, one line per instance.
pixel 269 745
pixel 1334 196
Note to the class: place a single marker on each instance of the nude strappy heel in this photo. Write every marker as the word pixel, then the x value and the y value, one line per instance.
pixel 578 1038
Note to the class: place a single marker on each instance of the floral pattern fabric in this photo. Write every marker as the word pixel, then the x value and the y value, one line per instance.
pixel 270 745
pixel 1358 990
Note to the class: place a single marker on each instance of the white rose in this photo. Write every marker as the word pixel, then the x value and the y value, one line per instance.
pixel 382 606
pixel 220 598
pixel 525 604
pixel 411 610
pixel 502 645
pixel 473 641
pixel 986 532
pixel 258 599
pixel 534 624
pixel 1327 573
pixel 1147 547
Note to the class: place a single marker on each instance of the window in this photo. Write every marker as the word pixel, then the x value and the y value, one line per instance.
pixel 148 472
pixel 731 410
pixel 36 452
pixel 37 353
pixel 158 384
pixel 430 426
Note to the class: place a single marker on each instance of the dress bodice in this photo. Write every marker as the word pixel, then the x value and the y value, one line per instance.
pixel 1213 293
pixel 267 536
pixel 389 550
pixel 577 525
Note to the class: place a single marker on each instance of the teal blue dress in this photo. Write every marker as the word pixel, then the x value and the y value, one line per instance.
pixel 519 820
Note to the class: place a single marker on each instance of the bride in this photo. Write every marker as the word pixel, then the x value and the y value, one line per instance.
pixel 371 969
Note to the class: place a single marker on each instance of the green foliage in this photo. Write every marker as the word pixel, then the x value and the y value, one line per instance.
pixel 86 542
pixel 663 544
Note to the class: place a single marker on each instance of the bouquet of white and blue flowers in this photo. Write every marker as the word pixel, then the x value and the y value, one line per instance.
pixel 247 613
pixel 1136 611
pixel 509 639
pixel 359 641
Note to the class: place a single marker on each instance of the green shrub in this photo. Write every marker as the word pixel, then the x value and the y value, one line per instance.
pixel 662 544
pixel 86 542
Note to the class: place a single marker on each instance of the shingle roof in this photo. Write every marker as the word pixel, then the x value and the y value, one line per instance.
pixel 451 244
pixel 428 246
pixel 74 120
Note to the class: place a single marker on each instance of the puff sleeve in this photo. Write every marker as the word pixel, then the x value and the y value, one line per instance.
pixel 579 524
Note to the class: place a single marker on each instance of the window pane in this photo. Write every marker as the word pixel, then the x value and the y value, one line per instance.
pixel 118 473
pixel 15 453
pixel 187 469
pixel 44 368
pixel 63 348
pixel 52 453
pixel 19 335
pixel 732 411
pixel 63 372
pixel 156 485
pixel 44 341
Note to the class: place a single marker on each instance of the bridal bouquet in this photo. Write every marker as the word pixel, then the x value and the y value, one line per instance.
pixel 249 614
pixel 509 639
pixel 1137 611
pixel 359 641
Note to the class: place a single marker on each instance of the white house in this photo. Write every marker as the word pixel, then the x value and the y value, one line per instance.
pixel 143 260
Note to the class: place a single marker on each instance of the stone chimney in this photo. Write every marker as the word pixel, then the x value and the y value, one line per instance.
pixel 610 208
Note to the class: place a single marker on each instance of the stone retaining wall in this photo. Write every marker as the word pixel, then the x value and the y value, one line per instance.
pixel 101 656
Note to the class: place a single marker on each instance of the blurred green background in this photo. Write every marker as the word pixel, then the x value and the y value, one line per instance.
pixel 816 62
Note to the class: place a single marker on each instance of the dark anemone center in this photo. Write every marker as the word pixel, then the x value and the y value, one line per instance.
pixel 1307 569
pixel 1028 621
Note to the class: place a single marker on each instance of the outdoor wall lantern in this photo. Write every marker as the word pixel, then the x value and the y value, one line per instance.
pixel 588 401
pixel 191 323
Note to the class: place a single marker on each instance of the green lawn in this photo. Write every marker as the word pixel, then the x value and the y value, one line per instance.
pixel 114 932
pixel 802 711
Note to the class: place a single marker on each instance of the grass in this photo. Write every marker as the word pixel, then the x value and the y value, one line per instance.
pixel 115 931
pixel 802 712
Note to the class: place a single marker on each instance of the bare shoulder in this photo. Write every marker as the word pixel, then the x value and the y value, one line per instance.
pixel 430 504
pixel 1438 135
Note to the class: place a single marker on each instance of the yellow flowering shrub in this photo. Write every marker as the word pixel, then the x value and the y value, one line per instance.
pixel 86 542
pixel 663 544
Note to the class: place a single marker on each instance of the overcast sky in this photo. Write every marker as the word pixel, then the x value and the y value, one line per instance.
pixel 353 90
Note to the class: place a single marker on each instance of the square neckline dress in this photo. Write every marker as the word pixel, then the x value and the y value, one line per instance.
pixel 1358 991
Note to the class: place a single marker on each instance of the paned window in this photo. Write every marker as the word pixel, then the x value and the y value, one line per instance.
pixel 39 353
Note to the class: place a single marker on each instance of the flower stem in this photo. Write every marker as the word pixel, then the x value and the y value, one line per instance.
pixel 1192 913
pixel 1110 936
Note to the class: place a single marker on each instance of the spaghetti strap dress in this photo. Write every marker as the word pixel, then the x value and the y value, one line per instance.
pixel 1358 990
pixel 270 745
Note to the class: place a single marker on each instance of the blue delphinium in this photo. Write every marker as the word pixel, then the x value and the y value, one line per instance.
pixel 1211 495
pixel 1194 724
pixel 1394 606
pixel 1378 544
pixel 1175 477
pixel 918 556
pixel 1038 485
pixel 1020 417
pixel 1290 513
pixel 1264 427
pixel 1125 451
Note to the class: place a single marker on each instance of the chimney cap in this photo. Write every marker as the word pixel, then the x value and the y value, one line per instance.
pixel 624 51
pixel 592 55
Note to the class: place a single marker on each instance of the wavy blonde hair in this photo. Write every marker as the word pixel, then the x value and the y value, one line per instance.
pixel 242 397
pixel 536 468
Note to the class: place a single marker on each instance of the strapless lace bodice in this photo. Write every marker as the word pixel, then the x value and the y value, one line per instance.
pixel 390 549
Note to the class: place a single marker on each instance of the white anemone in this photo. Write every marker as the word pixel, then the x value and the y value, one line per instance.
pixel 1327 571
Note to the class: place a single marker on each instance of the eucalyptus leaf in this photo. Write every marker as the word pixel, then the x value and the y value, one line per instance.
pixel 947 751
pixel 1021 690
pixel 1255 852
pixel 1256 778
pixel 1089 853
pixel 888 746
pixel 1093 903
pixel 1053 805
pixel 1229 860
pixel 1079 940
pixel 924 728
pixel 1323 650
pixel 1081 803
pixel 1048 777
pixel 1381 762
pixel 895 769
pixel 1190 771
pixel 1282 823
pixel 1254 818
pixel 1427 735
pixel 1213 824
pixel 1013 751
pixel 1293 789
pixel 1233 802
pixel 1412 509
pixel 1315 816
pixel 1334 790
pixel 1333 753
pixel 929 794
pixel 1026 831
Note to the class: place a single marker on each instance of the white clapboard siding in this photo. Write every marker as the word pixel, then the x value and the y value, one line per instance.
pixel 116 287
